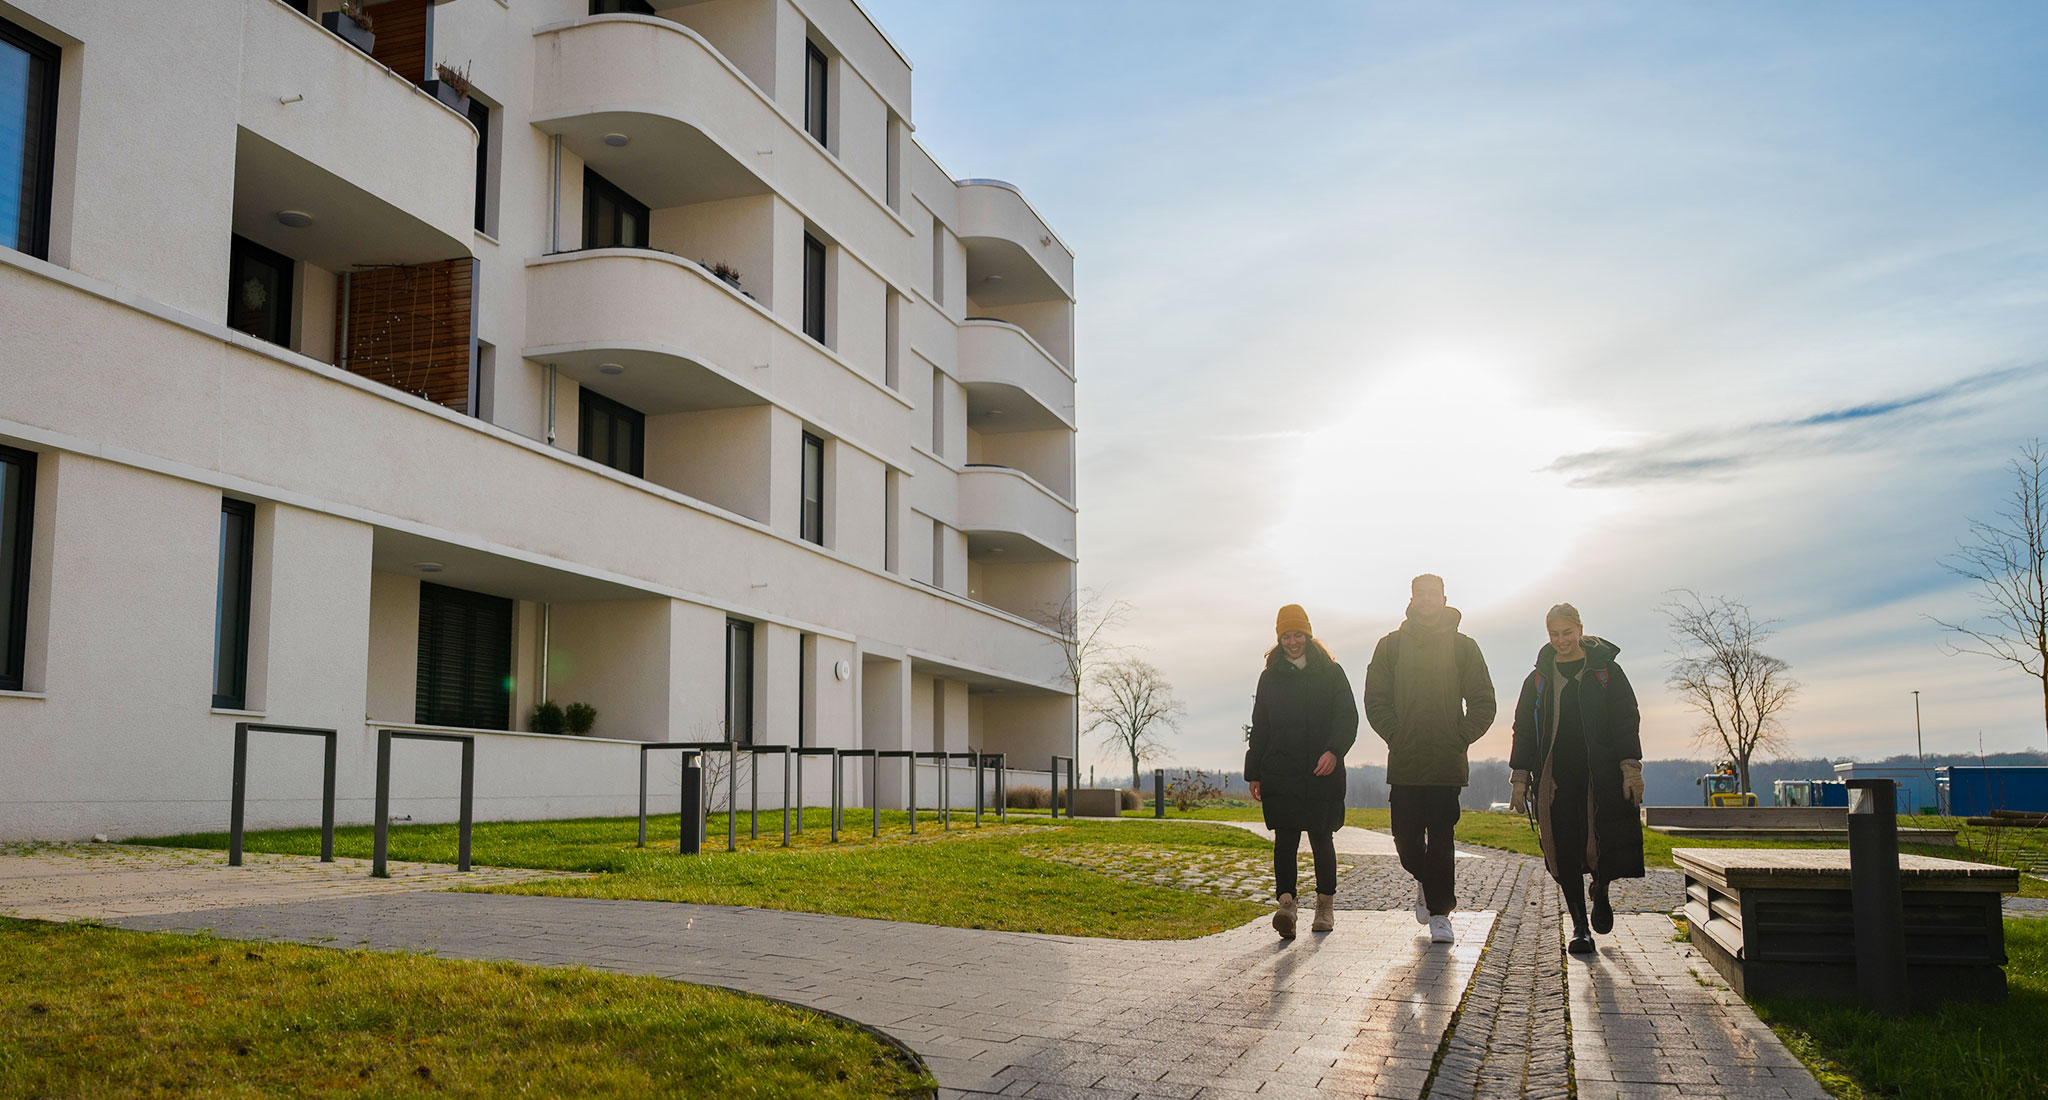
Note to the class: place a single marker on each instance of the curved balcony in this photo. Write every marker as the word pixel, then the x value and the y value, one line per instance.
pixel 1003 512
pixel 695 128
pixel 387 171
pixel 687 342
pixel 1012 384
pixel 1007 239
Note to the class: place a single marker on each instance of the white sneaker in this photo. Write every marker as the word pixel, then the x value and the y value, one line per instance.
pixel 1440 930
pixel 1421 906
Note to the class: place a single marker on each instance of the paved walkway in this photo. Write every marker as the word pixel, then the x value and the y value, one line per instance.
pixel 1372 1010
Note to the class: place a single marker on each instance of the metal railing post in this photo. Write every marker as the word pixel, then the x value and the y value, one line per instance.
pixel 381 833
pixel 692 808
pixel 1158 792
pixel 875 794
pixel 643 800
pixel 980 788
pixel 327 799
pixel 239 788
pixel 468 803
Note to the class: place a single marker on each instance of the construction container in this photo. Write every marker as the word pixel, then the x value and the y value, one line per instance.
pixel 1969 791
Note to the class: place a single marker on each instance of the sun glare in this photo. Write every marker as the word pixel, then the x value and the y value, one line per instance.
pixel 1438 470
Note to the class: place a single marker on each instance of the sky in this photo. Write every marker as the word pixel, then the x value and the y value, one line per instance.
pixel 1579 302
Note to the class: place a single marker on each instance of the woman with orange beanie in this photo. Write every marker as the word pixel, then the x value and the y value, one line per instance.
pixel 1303 722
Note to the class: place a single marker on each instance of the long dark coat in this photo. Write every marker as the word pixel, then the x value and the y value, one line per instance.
pixel 1300 714
pixel 1611 725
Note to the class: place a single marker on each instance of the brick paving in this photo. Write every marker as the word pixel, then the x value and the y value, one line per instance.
pixel 1372 1010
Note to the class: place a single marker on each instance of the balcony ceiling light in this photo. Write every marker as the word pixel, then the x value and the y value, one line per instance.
pixel 991 278
pixel 428 566
pixel 296 219
pixel 610 368
pixel 616 141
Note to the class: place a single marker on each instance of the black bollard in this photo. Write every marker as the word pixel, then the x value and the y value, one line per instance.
pixel 1158 792
pixel 693 806
pixel 1876 896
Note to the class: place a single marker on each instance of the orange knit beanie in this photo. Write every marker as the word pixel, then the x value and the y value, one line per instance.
pixel 1292 617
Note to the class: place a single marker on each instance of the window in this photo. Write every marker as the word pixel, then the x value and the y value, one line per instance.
pixel 611 433
pixel 890 495
pixel 231 606
pixel 814 288
pixel 621 7
pixel 28 139
pixel 938 554
pixel 938 413
pixel 816 74
pixel 739 681
pixel 465 663
pixel 480 117
pixel 938 262
pixel 17 523
pixel 259 291
pixel 892 340
pixel 611 218
pixel 814 489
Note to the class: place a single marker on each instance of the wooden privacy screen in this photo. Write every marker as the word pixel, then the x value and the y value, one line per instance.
pixel 405 31
pixel 412 328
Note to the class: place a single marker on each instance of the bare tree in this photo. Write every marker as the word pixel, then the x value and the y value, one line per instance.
pixel 2008 558
pixel 1082 623
pixel 1720 671
pixel 1133 706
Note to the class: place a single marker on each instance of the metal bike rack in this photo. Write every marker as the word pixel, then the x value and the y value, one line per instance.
pixel 732 752
pixel 874 786
pixel 1002 785
pixel 241 784
pixel 945 819
pixel 817 751
pixel 383 811
pixel 909 755
pixel 1054 775
pixel 973 758
pixel 754 790
pixel 689 754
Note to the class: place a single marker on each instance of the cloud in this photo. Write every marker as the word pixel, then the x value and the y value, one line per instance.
pixel 1723 452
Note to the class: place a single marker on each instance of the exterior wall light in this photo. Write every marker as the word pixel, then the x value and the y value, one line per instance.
pixel 841 670
pixel 616 141
pixel 296 219
pixel 428 566
pixel 611 368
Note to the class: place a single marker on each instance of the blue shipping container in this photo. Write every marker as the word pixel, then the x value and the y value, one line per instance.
pixel 1828 792
pixel 1975 792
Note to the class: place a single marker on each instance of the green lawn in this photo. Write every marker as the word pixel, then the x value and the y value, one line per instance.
pixel 1980 1051
pixel 966 878
pixel 90 1011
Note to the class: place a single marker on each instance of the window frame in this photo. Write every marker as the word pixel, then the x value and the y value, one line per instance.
pixel 596 185
pixel 811 525
pixel 39 193
pixel 431 593
pixel 739 682
pixel 244 557
pixel 815 257
pixel 242 250
pixel 14 660
pixel 817 94
pixel 590 405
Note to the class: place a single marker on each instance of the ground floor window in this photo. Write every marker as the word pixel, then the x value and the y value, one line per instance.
pixel 739 681
pixel 231 606
pixel 465 660
pixel 17 523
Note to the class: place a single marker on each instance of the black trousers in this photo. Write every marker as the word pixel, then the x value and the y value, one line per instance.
pixel 1424 818
pixel 1287 845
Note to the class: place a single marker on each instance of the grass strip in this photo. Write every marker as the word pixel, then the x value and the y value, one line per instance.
pixel 1982 1051
pixel 92 1011
pixel 965 878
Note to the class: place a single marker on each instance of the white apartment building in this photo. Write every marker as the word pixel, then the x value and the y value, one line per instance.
pixel 664 372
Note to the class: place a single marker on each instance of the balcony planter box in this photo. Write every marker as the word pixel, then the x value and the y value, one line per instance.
pixel 446 93
pixel 348 30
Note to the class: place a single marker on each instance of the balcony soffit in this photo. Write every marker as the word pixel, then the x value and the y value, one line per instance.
pixel 351 227
pixel 666 161
pixel 994 408
pixel 1001 273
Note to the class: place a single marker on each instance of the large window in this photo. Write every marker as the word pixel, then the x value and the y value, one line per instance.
pixel 480 117
pixel 611 433
pixel 814 288
pixel 814 489
pixel 231 607
pixel 17 523
pixel 739 681
pixel 611 218
pixel 259 291
pixel 28 139
pixel 465 663
pixel 816 75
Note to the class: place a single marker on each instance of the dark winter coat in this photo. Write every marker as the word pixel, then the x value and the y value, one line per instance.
pixel 1428 695
pixel 1611 725
pixel 1300 714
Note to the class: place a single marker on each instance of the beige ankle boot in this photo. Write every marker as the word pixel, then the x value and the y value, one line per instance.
pixel 1326 913
pixel 1283 917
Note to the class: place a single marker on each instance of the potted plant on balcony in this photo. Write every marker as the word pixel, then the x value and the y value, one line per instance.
pixel 454 86
pixel 353 24
pixel 724 271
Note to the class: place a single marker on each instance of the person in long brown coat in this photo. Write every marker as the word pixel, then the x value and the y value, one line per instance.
pixel 1578 751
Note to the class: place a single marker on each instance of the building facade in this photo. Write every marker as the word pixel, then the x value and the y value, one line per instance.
pixel 662 371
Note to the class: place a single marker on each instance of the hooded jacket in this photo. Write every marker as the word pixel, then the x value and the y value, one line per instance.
pixel 1428 695
pixel 1298 715
pixel 1611 724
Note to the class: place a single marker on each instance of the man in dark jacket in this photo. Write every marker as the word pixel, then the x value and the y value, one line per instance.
pixel 1428 696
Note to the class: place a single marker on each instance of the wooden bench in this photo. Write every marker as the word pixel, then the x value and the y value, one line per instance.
pixel 1778 922
pixel 1807 824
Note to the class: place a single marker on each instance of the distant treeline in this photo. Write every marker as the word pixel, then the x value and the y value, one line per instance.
pixel 1668 782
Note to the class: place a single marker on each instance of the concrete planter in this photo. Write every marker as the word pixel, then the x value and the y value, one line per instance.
pixel 349 31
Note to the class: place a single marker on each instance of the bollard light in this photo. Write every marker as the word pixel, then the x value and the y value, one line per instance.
pixel 1876 895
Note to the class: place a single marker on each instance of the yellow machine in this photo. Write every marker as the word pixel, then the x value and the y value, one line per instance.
pixel 1724 788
